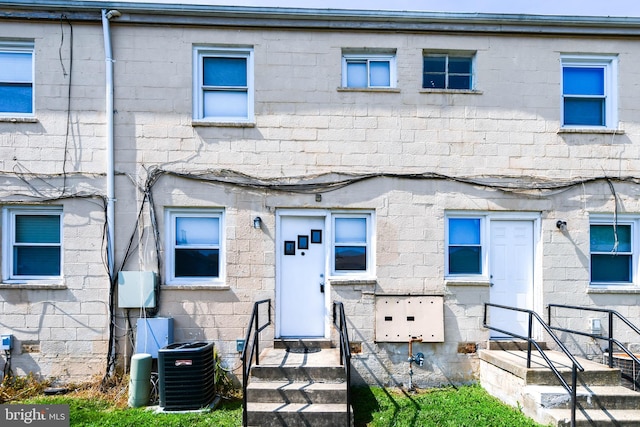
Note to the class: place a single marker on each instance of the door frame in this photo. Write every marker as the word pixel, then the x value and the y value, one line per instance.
pixel 280 213
pixel 537 290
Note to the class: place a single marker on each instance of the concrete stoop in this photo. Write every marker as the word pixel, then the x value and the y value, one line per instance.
pixel 298 385
pixel 601 399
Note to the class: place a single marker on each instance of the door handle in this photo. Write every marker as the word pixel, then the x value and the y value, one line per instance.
pixel 322 287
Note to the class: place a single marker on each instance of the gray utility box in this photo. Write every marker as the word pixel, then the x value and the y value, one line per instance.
pixel 187 375
pixel 402 317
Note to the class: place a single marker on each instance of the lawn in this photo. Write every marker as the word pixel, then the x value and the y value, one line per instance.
pixel 373 407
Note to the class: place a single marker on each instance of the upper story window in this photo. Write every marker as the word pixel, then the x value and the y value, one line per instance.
pixel 352 244
pixel 589 91
pixel 16 78
pixel 194 249
pixel 464 246
pixel 223 84
pixel 32 243
pixel 613 251
pixel 368 70
pixel 447 71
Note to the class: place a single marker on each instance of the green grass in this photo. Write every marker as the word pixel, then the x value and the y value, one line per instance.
pixel 373 407
pixel 468 406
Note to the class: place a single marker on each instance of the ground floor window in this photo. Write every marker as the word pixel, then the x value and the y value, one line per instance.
pixel 611 245
pixel 32 243
pixel 194 246
pixel 352 243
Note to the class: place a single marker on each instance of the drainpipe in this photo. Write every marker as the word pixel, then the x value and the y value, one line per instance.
pixel 106 31
pixel 106 16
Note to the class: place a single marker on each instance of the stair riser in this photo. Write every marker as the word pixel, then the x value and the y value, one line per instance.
pixel 297 396
pixel 603 378
pixel 294 374
pixel 277 419
pixel 596 402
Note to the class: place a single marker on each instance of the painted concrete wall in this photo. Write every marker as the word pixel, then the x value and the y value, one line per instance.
pixel 305 125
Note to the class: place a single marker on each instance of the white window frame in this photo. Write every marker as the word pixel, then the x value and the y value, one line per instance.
pixel 634 222
pixel 484 246
pixel 368 58
pixel 8 243
pixel 609 64
pixel 21 47
pixel 467 55
pixel 201 52
pixel 370 246
pixel 170 232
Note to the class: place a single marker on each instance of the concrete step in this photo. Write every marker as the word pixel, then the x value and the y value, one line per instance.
pixel 306 374
pixel 514 362
pixel 592 418
pixel 302 345
pixel 597 397
pixel 322 365
pixel 297 392
pixel 296 415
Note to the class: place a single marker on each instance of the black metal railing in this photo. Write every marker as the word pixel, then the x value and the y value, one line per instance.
pixel 340 322
pixel 611 341
pixel 252 348
pixel 575 366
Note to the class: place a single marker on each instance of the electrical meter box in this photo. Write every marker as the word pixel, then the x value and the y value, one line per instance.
pixel 136 289
pixel 152 334
pixel 6 342
pixel 401 318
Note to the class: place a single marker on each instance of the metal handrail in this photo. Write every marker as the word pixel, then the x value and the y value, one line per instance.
pixel 610 339
pixel 340 322
pixel 252 342
pixel 571 389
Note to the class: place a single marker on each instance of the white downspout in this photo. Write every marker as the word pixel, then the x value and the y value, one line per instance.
pixel 110 145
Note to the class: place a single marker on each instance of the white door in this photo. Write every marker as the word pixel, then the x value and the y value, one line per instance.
pixel 301 306
pixel 512 265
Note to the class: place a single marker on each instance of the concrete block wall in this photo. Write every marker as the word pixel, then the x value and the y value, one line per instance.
pixel 305 125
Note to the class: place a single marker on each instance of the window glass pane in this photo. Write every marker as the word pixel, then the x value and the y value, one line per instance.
pixel 36 261
pixel 225 71
pixel 611 268
pixel 435 64
pixel 464 231
pixel 356 74
pixel 380 73
pixel 37 228
pixel 583 81
pixel 197 231
pixel 433 81
pixel 464 260
pixel 15 67
pixel 584 111
pixel 197 262
pixel 459 82
pixel 16 98
pixel 350 258
pixel 226 104
pixel 351 230
pixel 602 238
pixel 459 65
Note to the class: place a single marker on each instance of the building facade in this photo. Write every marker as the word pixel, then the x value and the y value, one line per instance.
pixel 413 166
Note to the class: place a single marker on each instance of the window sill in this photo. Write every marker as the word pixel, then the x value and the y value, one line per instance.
pixel 623 289
pixel 33 286
pixel 18 120
pixel 195 287
pixel 602 131
pixel 369 89
pixel 348 282
pixel 467 282
pixel 212 123
pixel 452 91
